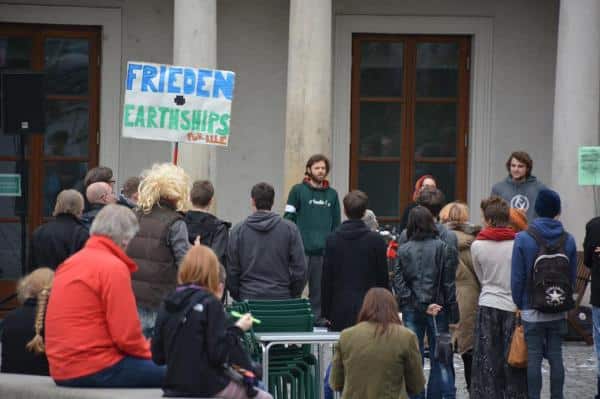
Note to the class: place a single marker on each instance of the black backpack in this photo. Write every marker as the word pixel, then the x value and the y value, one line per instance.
pixel 550 290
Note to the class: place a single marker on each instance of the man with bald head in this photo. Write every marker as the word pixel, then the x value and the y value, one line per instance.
pixel 98 194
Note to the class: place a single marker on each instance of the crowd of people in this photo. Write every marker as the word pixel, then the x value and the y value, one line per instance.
pixel 128 290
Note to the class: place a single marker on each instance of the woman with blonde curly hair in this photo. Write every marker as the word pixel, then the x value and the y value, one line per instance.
pixel 162 241
pixel 22 336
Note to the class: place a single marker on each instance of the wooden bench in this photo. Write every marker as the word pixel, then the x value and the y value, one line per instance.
pixel 19 386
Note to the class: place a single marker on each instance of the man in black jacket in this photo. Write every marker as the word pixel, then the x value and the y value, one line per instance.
pixel 129 193
pixel 591 258
pixel 213 232
pixel 55 241
pixel 354 262
pixel 98 195
pixel 265 255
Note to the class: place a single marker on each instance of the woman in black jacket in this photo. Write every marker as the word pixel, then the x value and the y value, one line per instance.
pixel 424 282
pixel 191 334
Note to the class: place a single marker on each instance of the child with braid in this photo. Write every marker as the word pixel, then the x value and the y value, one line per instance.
pixel 22 329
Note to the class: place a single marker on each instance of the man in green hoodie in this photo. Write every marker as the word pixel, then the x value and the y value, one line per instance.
pixel 315 208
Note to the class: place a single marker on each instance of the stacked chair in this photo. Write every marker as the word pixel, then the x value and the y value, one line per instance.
pixel 293 370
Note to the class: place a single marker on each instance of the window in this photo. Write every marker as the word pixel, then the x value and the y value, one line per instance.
pixel 58 159
pixel 409 117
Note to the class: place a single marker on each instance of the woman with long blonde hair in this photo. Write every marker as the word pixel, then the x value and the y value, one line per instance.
pixel 192 336
pixel 162 241
pixel 22 330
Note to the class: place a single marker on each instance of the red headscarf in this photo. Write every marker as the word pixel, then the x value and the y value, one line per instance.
pixel 419 185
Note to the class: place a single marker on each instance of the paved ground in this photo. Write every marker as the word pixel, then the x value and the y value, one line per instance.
pixel 580 373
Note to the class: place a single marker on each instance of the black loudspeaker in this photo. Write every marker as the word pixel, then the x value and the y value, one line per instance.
pixel 22 102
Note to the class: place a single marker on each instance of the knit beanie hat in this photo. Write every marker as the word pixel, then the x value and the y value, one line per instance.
pixel 547 204
pixel 518 219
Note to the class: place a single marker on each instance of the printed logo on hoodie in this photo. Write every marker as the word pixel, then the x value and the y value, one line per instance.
pixel 320 203
pixel 520 201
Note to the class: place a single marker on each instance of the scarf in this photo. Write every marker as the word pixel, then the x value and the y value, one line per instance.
pixel 324 187
pixel 496 234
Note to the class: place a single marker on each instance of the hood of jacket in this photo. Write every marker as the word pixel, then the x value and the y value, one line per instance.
pixel 528 180
pixel 352 229
pixel 465 233
pixel 263 220
pixel 204 218
pixel 550 229
pixel 324 187
pixel 178 300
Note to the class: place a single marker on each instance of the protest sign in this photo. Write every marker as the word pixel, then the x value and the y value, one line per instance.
pixel 589 166
pixel 177 104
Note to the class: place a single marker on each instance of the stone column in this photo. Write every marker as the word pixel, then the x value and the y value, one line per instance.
pixel 195 44
pixel 576 107
pixel 308 112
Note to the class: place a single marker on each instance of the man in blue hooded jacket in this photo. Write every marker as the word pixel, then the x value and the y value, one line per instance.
pixel 543 331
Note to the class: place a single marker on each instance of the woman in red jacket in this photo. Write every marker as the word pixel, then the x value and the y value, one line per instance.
pixel 93 333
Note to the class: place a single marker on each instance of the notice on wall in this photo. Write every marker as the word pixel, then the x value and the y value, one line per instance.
pixel 589 166
pixel 177 103
pixel 10 185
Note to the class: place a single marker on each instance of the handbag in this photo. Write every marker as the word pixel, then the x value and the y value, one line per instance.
pixel 444 351
pixel 517 353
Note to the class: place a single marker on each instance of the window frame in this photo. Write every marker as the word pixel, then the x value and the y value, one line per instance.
pixel 409 100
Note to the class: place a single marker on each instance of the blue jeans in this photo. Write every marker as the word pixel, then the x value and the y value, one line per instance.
pixel 130 372
pixel 544 339
pixel 327 391
pixel 596 323
pixel 441 378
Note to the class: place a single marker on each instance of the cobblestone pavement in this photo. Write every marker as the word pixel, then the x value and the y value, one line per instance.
pixel 580 373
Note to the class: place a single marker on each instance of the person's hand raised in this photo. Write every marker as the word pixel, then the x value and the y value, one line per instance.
pixel 244 322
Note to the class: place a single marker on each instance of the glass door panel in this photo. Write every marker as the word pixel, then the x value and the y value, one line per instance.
pixel 409 113
pixel 58 159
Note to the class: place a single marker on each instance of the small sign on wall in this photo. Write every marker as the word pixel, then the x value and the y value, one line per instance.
pixel 589 166
pixel 10 185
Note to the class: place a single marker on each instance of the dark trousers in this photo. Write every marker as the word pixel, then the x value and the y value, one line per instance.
pixel 467 359
pixel 315 271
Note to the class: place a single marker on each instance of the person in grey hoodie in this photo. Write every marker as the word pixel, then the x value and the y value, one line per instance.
pixel 265 255
pixel 520 189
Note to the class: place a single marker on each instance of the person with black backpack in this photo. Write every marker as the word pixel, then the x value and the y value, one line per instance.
pixel 213 232
pixel 544 267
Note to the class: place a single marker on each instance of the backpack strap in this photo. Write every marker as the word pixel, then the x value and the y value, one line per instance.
pixel 543 247
pixel 560 244
pixel 181 317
